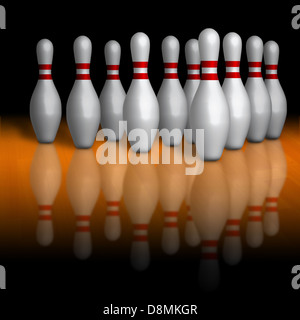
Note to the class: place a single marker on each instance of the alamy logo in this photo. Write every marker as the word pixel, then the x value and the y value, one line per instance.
pixel 2 17
pixel 2 277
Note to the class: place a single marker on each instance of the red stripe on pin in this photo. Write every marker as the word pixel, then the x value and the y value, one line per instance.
pixel 254 64
pixel 113 213
pixel 255 208
pixel 83 218
pixel 193 66
pixel 140 226
pixel 82 65
pixel 45 207
pixel 271 199
pixel 271 66
pixel 168 224
pixel 83 229
pixel 140 76
pixel 209 76
pixel 209 255
pixel 45 76
pixel 232 75
pixel 232 233
pixel 254 218
pixel 233 222
pixel 171 65
pixel 83 76
pixel 112 67
pixel 272 76
pixel 113 77
pixel 193 77
pixel 171 213
pixel 113 203
pixel 209 243
pixel 254 75
pixel 171 76
pixel 140 238
pixel 140 64
pixel 209 64
pixel 45 217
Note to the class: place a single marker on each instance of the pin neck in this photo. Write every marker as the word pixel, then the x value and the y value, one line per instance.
pixel 113 208
pixel 83 223
pixel 193 71
pixel 254 69
pixel 83 71
pixel 170 219
pixel 112 72
pixel 209 249
pixel 140 70
pixel 232 69
pixel 45 71
pixel 140 232
pixel 171 70
pixel 232 228
pixel 209 70
pixel 271 71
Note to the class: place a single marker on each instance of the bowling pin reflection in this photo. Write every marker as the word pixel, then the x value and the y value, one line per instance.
pixel 278 175
pixel 210 207
pixel 83 188
pixel 259 171
pixel 238 180
pixel 172 183
pixel 112 176
pixel 45 179
pixel 141 193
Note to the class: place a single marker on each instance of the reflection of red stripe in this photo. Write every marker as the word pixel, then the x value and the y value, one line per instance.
pixel 254 218
pixel 209 243
pixel 83 218
pixel 113 212
pixel 112 77
pixel 113 203
pixel 171 213
pixel 140 226
pixel 83 76
pixel 271 199
pixel 170 65
pixel 271 76
pixel 45 76
pixel 232 233
pixel 82 65
pixel 140 64
pixel 232 75
pixel 83 229
pixel 170 224
pixel 209 64
pixel 233 222
pixel 45 66
pixel 112 67
pixel 255 208
pixel 209 76
pixel 232 63
pixel 209 255
pixel 193 66
pixel 271 66
pixel 140 238
pixel 45 207
pixel 189 218
pixel 254 64
pixel 45 217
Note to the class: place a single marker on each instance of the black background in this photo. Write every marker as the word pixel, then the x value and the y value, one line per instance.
pixel 40 285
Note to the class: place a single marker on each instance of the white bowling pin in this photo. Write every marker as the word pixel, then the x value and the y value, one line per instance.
pixel 83 106
pixel 83 188
pixel 235 93
pixel 171 97
pixel 112 95
pixel 192 57
pixel 258 94
pixel 238 180
pixel 209 110
pixel 45 179
pixel 45 104
pixel 278 175
pixel 210 206
pixel 141 193
pixel 141 109
pixel 279 103
pixel 259 172
pixel 172 189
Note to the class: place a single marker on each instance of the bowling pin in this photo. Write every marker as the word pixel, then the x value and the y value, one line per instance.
pixel 258 94
pixel 210 206
pixel 83 188
pixel 141 109
pixel 112 95
pixel 45 180
pixel 279 104
pixel 235 93
pixel 141 193
pixel 259 172
pixel 209 110
pixel 83 106
pixel 45 104
pixel 278 175
pixel 172 183
pixel 171 97
pixel 238 180
pixel 192 57
pixel 112 176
